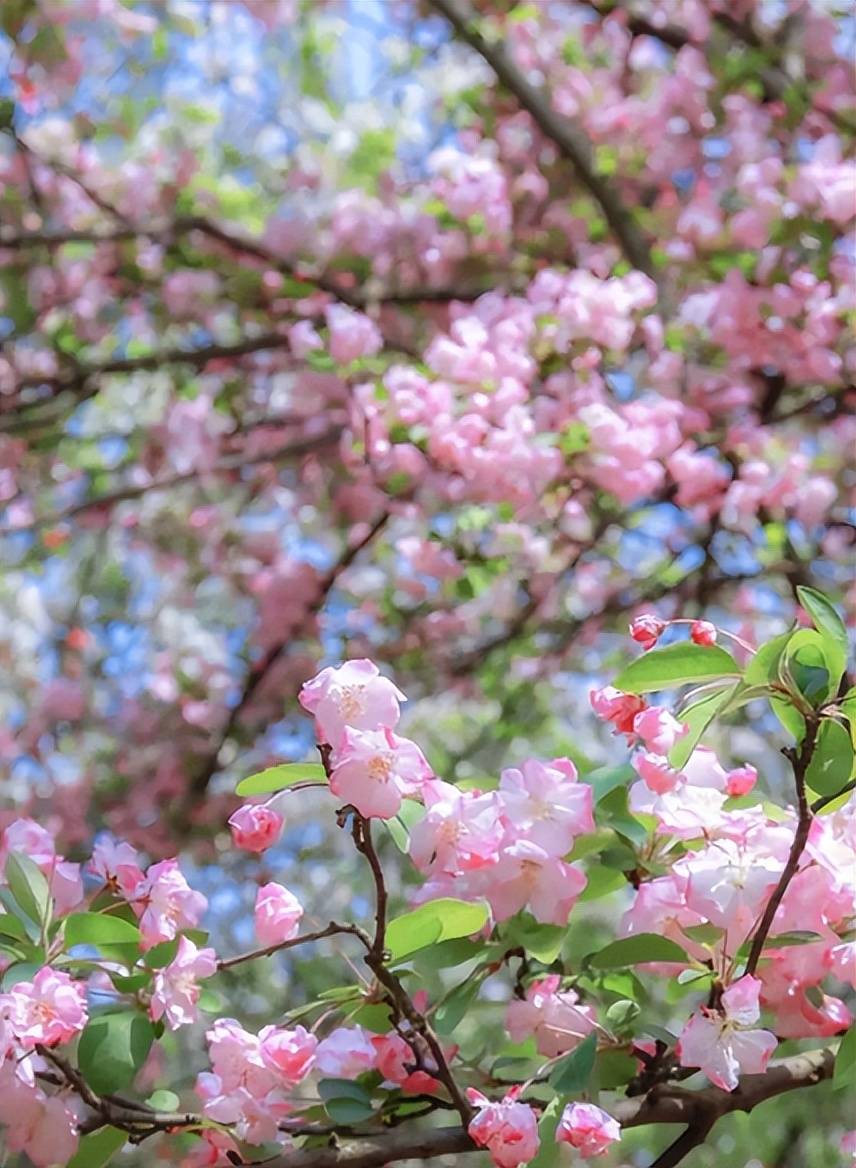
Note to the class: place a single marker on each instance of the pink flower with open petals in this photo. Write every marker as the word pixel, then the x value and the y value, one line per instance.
pixel 527 877
pixel 346 1053
pixel 658 730
pixel 508 1129
pixel 255 827
pixel 49 1009
pixel 460 832
pixel 556 1019
pixel 621 709
pixel 587 1128
pixel 545 803
pixel 277 914
pixel 655 772
pixel 291 1053
pixel 165 903
pixel 375 769
pixel 352 695
pixel 176 987
pixel 721 1043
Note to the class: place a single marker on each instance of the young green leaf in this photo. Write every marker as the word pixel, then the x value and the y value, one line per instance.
pixel 572 1073
pixel 99 929
pixel 676 665
pixel 98 1148
pixel 29 887
pixel 831 762
pixel 279 778
pixel 112 1049
pixel 637 950
pixel 438 920
pixel 845 1060
pixel 827 622
pixel 698 716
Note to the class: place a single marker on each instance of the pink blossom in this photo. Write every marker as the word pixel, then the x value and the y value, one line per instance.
pixel 291 1053
pixel 40 1125
pixel 461 830
pixel 848 1145
pixel 721 1043
pixel 658 730
pixel 255 827
pixel 395 1059
pixel 655 772
pixel 702 632
pixel 277 914
pixel 741 780
pixel 352 695
pixel 587 1128
pixel 345 1053
pixel 352 334
pixel 117 864
pixel 646 629
pixel 375 769
pixel 47 1010
pixel 528 877
pixel 619 708
pixel 165 903
pixel 176 991
pixel 544 802
pixel 303 339
pixel 508 1129
pixel 556 1018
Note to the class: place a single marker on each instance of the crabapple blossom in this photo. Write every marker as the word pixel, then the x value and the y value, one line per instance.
pixel 41 1125
pixel 647 629
pixel 588 1129
pixel 508 1129
pixel 255 827
pixel 658 729
pixel 526 876
pixel 277 914
pixel 375 769
pixel 461 830
pixel 557 1019
pixel 619 708
pixel 721 1042
pixel 46 1011
pixel 345 1053
pixel 176 991
pixel 545 804
pixel 655 772
pixel 291 1053
pixel 702 632
pixel 352 695
pixel 165 903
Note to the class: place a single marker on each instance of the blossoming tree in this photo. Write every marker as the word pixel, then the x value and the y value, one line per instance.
pixel 441 342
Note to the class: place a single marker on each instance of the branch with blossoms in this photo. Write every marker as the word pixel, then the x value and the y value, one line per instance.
pixel 743 910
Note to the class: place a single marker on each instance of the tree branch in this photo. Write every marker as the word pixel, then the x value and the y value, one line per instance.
pixel 570 140
pixel 800 761
pixel 331 930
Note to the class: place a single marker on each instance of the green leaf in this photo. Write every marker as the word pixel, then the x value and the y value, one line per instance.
pixel 550 1152
pixel 162 1100
pixel 279 778
pixel 112 1049
pixel 455 1005
pixel 845 1060
pixel 98 1148
pixel 572 1073
pixel 19 971
pixel 676 665
pixel 99 929
pixel 601 881
pixel 11 927
pixel 638 949
pixel 764 665
pixel 438 920
pixel 345 1102
pixel 448 954
pixel 29 887
pixel 831 762
pixel 606 778
pixel 543 942
pixel 827 622
pixel 698 716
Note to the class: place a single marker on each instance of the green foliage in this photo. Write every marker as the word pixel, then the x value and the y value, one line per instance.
pixel 98 1148
pixel 676 665
pixel 572 1073
pixel 637 950
pixel 112 1049
pixel 280 778
pixel 438 920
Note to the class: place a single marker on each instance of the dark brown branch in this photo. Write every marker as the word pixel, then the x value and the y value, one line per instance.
pixel 800 760
pixel 331 930
pixel 569 139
